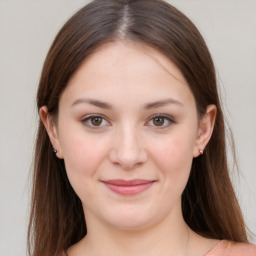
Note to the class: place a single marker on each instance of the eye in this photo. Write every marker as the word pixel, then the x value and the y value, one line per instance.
pixel 95 121
pixel 161 121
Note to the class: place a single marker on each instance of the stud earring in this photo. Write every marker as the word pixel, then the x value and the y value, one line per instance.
pixel 55 151
pixel 201 151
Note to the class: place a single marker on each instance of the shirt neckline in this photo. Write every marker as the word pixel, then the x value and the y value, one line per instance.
pixel 214 247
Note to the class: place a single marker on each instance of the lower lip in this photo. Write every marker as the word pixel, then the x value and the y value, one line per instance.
pixel 129 190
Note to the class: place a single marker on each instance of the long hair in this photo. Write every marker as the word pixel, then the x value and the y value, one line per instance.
pixel 209 204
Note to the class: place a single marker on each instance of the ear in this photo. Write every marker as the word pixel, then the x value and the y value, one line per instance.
pixel 205 129
pixel 51 129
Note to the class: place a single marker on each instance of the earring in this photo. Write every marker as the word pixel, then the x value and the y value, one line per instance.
pixel 55 151
pixel 201 151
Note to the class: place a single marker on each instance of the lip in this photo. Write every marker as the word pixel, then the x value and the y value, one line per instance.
pixel 128 187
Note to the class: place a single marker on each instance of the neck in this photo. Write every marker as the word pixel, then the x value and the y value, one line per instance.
pixel 168 237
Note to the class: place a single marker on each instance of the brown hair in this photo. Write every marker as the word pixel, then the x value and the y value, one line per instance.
pixel 209 203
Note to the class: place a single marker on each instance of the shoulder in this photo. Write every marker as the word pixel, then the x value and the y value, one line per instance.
pixel 230 248
pixel 242 249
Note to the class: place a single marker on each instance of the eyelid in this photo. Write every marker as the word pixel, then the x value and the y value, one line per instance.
pixel 169 118
pixel 88 117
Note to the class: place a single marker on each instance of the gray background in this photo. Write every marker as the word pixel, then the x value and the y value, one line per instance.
pixel 27 29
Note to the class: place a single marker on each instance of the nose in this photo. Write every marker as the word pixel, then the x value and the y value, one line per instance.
pixel 127 151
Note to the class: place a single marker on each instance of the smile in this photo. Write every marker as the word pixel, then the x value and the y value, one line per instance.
pixel 131 187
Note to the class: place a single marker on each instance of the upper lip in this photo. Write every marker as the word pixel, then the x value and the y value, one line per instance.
pixel 134 182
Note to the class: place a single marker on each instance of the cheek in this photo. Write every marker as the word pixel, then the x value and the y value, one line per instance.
pixel 173 157
pixel 79 155
pixel 176 150
pixel 83 157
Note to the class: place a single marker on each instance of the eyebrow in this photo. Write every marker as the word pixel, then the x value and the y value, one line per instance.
pixel 147 106
pixel 96 103
pixel 161 103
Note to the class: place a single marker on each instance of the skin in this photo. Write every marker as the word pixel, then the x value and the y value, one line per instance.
pixel 128 142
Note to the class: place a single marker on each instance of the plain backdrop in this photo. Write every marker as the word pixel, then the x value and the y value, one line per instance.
pixel 27 29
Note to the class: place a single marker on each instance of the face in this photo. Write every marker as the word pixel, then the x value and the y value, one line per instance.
pixel 127 130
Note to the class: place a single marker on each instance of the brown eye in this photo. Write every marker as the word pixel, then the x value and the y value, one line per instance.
pixel 96 121
pixel 158 121
pixel 161 121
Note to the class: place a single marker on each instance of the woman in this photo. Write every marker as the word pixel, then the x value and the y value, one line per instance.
pixel 130 155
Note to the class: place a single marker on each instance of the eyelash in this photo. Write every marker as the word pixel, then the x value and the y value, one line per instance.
pixel 87 119
pixel 167 118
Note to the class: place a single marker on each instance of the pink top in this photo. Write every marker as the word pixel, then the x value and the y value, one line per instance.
pixel 227 248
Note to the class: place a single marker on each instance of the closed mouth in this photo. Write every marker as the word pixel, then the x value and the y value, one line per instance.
pixel 128 187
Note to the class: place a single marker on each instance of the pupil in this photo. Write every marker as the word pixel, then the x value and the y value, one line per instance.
pixel 158 121
pixel 96 121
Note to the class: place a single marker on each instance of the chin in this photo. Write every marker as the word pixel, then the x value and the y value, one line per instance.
pixel 131 218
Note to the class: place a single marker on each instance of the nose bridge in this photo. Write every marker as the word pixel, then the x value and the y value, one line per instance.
pixel 129 140
pixel 128 150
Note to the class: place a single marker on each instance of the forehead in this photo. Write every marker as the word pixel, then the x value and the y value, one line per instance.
pixel 130 55
pixel 126 69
